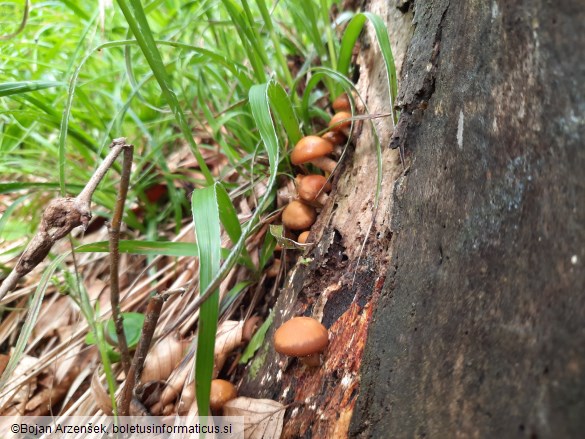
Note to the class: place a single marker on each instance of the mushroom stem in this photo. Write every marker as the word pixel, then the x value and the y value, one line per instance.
pixel 322 198
pixel 324 163
pixel 313 360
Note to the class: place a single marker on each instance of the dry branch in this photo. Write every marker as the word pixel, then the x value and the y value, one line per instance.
pixel 60 217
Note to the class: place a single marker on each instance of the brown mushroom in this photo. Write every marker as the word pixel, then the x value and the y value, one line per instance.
pixel 313 188
pixel 274 269
pixel 303 237
pixel 341 122
pixel 314 150
pixel 222 391
pixel 302 337
pixel 341 103
pixel 298 216
pixel 335 137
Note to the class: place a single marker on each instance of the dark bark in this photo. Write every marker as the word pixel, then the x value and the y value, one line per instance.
pixel 470 287
pixel 479 330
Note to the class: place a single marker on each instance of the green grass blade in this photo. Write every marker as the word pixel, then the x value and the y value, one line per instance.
pixel 252 46
pixel 207 228
pixel 350 36
pixel 6 215
pixel 19 87
pixel 136 18
pixel 259 102
pixel 18 186
pixel 281 104
pixel 157 248
pixel 227 214
pixel 275 42
pixel 31 319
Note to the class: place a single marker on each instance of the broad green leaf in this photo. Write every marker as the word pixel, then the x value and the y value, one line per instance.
pixel 133 322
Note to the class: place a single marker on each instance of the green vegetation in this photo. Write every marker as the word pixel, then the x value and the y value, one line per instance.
pixel 233 84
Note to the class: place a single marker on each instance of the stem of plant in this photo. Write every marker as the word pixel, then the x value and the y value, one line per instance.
pixel 133 375
pixel 114 232
pixel 60 217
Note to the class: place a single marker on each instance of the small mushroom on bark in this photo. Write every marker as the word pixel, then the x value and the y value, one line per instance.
pixel 250 327
pixel 335 137
pixel 314 150
pixel 222 391
pixel 302 337
pixel 341 122
pixel 341 103
pixel 303 237
pixel 313 188
pixel 298 216
pixel 274 269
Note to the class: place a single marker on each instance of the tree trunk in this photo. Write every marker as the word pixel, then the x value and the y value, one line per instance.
pixel 480 328
pixel 467 281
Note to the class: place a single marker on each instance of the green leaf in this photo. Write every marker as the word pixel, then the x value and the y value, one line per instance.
pixel 133 322
pixel 278 233
pixel 257 340
pixel 282 106
pixel 206 218
pixel 156 248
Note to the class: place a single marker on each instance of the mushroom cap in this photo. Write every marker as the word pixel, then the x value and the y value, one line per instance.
pixel 309 148
pixel 335 137
pixel 298 216
pixel 338 118
pixel 303 237
pixel 310 186
pixel 222 391
pixel 341 103
pixel 300 337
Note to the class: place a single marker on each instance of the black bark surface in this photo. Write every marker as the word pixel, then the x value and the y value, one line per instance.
pixel 480 329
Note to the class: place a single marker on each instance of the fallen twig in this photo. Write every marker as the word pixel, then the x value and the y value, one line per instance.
pixel 61 215
pixel 114 232
pixel 133 376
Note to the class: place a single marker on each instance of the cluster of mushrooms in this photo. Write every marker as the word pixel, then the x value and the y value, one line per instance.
pixel 301 213
pixel 305 337
pixel 302 337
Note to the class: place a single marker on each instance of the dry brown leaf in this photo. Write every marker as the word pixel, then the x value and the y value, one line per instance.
pixel 52 394
pixel 187 399
pixel 263 418
pixel 163 359
pixel 3 362
pixel 176 382
pixel 65 362
pixel 100 395
pixel 20 396
pixel 53 316
pixel 228 338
